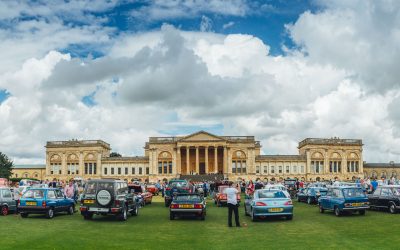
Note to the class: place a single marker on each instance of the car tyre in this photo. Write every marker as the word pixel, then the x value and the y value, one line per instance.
pixel 321 209
pixel 289 217
pixel 24 215
pixel 392 208
pixel 50 213
pixel 203 216
pixel 71 210
pixel 253 217
pixel 309 200
pixel 4 210
pixel 123 216
pixel 337 211
pixel 245 211
pixel 171 216
pixel 135 211
pixel 88 216
pixel 361 212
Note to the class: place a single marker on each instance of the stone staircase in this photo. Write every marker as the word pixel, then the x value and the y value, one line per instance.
pixel 202 177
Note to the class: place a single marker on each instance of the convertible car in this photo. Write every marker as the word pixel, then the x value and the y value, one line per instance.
pixel 188 205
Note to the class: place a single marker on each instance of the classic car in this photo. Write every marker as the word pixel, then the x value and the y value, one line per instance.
pixel 108 196
pixel 268 202
pixel 343 199
pixel 7 202
pixel 386 197
pixel 311 194
pixel 188 205
pixel 220 197
pixel 152 189
pixel 143 197
pixel 46 201
pixel 176 186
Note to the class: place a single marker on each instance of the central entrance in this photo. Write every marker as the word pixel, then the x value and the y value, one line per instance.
pixel 202 168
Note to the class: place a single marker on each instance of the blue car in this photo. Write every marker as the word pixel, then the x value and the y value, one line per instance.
pixel 46 201
pixel 311 194
pixel 344 199
pixel 269 202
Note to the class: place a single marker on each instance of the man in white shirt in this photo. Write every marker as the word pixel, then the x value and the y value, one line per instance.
pixel 231 194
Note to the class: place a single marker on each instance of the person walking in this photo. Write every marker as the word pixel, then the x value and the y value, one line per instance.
pixel 231 194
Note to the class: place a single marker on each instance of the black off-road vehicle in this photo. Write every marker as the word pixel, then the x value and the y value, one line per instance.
pixel 108 196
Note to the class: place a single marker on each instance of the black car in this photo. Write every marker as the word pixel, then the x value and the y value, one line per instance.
pixel 108 196
pixel 188 205
pixel 386 197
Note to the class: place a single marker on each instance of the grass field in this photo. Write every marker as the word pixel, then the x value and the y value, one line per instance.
pixel 152 229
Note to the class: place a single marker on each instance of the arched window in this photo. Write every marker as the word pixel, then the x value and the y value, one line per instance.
pixel 164 163
pixel 90 164
pixel 335 163
pixel 55 164
pixel 72 164
pixel 239 162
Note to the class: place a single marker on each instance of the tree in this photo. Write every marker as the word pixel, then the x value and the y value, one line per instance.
pixel 115 154
pixel 5 166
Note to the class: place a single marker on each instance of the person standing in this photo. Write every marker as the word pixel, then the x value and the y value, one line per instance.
pixel 231 194
pixel 69 190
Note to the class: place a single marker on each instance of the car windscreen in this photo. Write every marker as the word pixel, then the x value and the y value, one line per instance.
pixel 35 194
pixel 271 194
pixel 178 184
pixel 323 191
pixel 353 192
pixel 396 191
pixel 93 187
pixel 194 198
pixel 136 189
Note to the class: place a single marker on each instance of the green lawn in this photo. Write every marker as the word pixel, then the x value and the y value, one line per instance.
pixel 152 229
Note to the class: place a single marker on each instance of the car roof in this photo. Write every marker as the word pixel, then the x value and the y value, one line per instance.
pixel 390 186
pixel 106 180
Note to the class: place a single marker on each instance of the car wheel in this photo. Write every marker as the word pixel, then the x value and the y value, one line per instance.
pixel 4 210
pixel 392 209
pixel 361 212
pixel 203 216
pixel 50 213
pixel 289 217
pixel 24 215
pixel 135 211
pixel 88 216
pixel 171 216
pixel 309 200
pixel 71 210
pixel 337 211
pixel 124 214
pixel 321 209
pixel 298 199
pixel 253 217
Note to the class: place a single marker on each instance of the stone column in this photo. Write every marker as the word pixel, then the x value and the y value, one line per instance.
pixel 98 163
pixel 179 161
pixel 308 165
pixel 187 160
pixel 174 161
pixel 344 163
pixel 81 165
pixel 326 162
pixel 63 166
pixel 360 164
pixel 197 160
pixel 216 159
pixel 206 155
pixel 225 160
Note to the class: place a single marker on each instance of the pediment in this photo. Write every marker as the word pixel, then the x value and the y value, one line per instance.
pixel 201 136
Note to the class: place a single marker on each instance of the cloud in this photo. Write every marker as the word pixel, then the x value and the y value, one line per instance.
pixel 205 24
pixel 228 25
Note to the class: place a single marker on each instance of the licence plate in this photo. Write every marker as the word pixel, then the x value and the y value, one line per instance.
pixel 186 206
pixel 275 210
pixel 88 202
pixel 98 209
pixel 31 203
pixel 356 204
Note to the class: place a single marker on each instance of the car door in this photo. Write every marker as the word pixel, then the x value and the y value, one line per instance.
pixel 374 197
pixel 247 202
pixel 385 197
pixel 8 198
pixel 62 201
pixel 329 199
pixel 52 200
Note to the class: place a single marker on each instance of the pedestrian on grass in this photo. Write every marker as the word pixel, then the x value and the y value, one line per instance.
pixel 231 194
pixel 69 190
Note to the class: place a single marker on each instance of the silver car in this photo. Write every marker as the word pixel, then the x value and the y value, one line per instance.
pixel 7 202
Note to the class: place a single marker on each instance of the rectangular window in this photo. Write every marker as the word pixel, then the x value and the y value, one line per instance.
pixel 294 169
pixel 287 169
pixel 94 168
pixel 302 169
pixel 265 170
pixel 243 167
pixel 86 168
pixel 257 169
pixel 165 167
pixel 90 168
pixel 140 170
pixel 272 169
pixel 234 167
pixel 105 171
pixel 133 170
pixel 119 171
pixel 160 167
pixel 170 167
pixel 112 171
pixel 238 167
pixel 126 171
pixel 280 169
pixel 147 170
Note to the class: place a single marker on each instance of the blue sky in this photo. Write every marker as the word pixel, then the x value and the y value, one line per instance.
pixel 123 71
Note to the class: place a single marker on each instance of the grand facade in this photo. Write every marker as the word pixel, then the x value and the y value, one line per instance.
pixel 204 154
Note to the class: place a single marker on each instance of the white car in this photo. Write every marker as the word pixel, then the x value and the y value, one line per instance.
pixel 277 187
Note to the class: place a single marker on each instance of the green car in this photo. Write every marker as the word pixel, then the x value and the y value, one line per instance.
pixel 178 187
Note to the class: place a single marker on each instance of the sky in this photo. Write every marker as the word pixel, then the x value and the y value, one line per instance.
pixel 123 71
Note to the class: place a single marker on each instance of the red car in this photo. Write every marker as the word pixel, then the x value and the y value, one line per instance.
pixel 221 199
pixel 144 196
pixel 152 189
